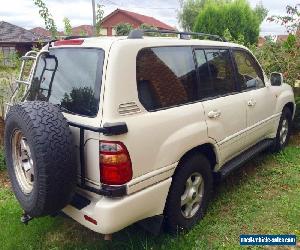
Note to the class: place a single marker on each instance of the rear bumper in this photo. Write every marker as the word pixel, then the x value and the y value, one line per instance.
pixel 114 214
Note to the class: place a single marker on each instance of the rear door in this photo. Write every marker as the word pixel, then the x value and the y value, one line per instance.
pixel 71 78
pixel 224 106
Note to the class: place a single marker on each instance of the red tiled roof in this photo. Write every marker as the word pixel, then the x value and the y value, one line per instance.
pixel 10 33
pixel 40 31
pixel 87 29
pixel 141 18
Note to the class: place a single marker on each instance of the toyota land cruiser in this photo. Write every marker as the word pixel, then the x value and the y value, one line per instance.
pixel 117 130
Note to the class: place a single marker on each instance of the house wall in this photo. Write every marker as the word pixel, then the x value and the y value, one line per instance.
pixel 7 49
pixel 116 19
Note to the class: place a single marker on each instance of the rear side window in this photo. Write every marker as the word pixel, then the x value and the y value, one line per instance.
pixel 215 72
pixel 166 77
pixel 249 74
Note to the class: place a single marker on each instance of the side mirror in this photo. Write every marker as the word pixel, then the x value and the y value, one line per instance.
pixel 276 79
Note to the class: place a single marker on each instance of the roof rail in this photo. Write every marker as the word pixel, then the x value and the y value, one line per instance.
pixel 139 34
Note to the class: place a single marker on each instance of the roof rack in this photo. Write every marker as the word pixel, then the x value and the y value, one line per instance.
pixel 139 34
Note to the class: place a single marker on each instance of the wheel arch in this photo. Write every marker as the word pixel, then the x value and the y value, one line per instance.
pixel 290 106
pixel 207 149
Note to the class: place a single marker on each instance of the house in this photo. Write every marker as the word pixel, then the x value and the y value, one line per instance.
pixel 123 16
pixel 87 30
pixel 261 41
pixel 281 38
pixel 39 31
pixel 14 39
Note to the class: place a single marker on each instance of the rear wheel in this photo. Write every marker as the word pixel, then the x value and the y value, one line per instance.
pixel 189 194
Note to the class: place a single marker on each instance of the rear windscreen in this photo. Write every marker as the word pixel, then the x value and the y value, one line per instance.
pixel 70 78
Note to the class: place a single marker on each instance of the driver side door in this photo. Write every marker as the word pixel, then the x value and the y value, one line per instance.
pixel 259 100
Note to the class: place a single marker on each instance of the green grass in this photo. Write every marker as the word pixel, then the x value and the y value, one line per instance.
pixel 262 198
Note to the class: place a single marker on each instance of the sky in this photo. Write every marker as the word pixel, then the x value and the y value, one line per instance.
pixel 25 14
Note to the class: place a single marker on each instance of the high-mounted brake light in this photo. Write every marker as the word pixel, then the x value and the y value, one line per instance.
pixel 115 163
pixel 69 42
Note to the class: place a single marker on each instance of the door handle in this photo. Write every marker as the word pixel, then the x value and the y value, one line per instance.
pixel 251 102
pixel 214 114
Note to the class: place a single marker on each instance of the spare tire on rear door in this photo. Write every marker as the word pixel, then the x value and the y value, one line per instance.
pixel 40 157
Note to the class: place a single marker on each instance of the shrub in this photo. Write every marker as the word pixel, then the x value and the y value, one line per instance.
pixel 123 29
pixel 281 57
pixel 297 115
pixel 236 16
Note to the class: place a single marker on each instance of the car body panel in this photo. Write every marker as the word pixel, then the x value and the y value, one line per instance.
pixel 156 141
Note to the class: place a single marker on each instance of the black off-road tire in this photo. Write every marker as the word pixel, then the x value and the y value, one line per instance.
pixel 52 152
pixel 278 145
pixel 174 219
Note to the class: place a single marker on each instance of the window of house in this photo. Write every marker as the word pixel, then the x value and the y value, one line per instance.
pixel 215 72
pixel 250 75
pixel 166 77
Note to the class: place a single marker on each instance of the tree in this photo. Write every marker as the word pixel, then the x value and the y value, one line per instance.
pixel 237 16
pixel 45 14
pixel 68 28
pixel 261 12
pixel 123 29
pixel 291 20
pixel 189 10
pixel 82 32
pixel 99 18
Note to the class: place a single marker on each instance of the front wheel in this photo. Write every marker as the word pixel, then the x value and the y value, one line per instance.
pixel 284 130
pixel 189 194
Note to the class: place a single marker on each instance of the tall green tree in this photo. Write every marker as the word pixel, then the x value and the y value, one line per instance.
pixel 47 17
pixel 189 10
pixel 260 11
pixel 235 16
pixel 68 28
pixel 99 18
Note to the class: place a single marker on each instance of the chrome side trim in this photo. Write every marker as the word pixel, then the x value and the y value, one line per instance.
pixel 229 138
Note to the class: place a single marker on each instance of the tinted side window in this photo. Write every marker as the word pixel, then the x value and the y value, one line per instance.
pixel 221 72
pixel 166 77
pixel 249 75
pixel 206 87
pixel 215 72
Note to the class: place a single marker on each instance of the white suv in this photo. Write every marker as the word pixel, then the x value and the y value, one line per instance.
pixel 118 130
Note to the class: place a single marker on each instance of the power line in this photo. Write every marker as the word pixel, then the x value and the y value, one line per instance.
pixel 140 7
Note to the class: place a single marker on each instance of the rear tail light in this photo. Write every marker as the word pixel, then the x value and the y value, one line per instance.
pixel 115 163
pixel 69 42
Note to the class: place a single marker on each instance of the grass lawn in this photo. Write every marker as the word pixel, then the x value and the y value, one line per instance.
pixel 261 198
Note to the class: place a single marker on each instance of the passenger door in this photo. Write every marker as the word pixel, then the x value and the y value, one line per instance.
pixel 224 106
pixel 260 101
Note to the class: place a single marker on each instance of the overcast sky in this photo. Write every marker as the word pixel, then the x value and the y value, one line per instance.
pixel 25 14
